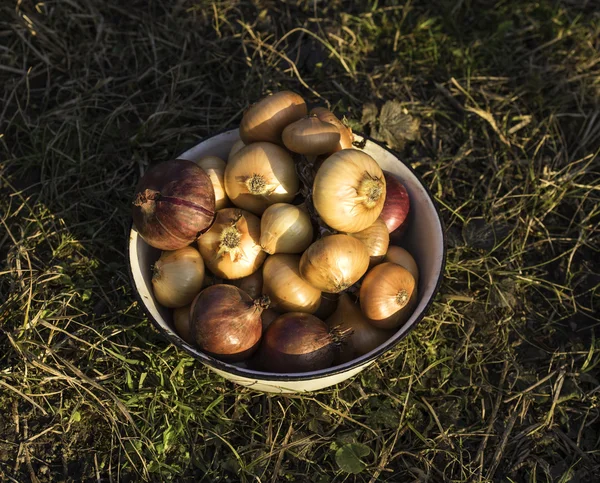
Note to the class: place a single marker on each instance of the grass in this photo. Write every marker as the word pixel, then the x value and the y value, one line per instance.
pixel 501 380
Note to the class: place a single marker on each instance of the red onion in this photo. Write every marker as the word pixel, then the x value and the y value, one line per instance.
pixel 226 323
pixel 299 342
pixel 397 203
pixel 174 203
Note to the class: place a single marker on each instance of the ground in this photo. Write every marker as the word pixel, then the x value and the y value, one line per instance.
pixel 501 118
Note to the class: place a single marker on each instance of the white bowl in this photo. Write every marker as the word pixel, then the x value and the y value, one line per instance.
pixel 424 239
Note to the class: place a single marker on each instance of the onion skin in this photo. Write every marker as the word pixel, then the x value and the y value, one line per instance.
pixel 232 262
pixel 214 167
pixel 267 317
pixel 364 337
pixel 328 305
pixel 226 323
pixel 285 287
pixel 401 257
pixel 377 239
pixel 174 203
pixel 239 144
pixel 265 120
pixel 297 342
pixel 346 136
pixel 397 204
pixel 334 263
pixel 259 175
pixel 311 136
pixel 252 284
pixel 388 295
pixel 181 321
pixel 349 191
pixel 285 228
pixel 177 277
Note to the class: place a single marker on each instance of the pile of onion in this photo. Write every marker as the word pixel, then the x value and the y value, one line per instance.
pixel 277 257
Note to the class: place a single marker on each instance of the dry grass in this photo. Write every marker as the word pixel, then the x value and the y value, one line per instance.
pixel 501 382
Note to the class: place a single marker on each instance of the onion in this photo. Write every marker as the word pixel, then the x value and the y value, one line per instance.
pixel 239 144
pixel 334 263
pixel 299 342
pixel 260 175
pixel 401 257
pixel 285 228
pixel 346 136
pixel 265 120
pixel 267 317
pixel 284 286
pixel 311 136
pixel 225 322
pixel 214 167
pixel 252 284
pixel 174 203
pixel 376 238
pixel 397 203
pixel 388 295
pixel 181 321
pixel 349 191
pixel 327 306
pixel 177 277
pixel 364 338
pixel 230 248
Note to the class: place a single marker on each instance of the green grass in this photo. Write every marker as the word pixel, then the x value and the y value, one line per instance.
pixel 501 380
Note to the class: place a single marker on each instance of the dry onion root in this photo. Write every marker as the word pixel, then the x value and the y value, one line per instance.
pixel 231 247
pixel 286 288
pixel 177 277
pixel 349 191
pixel 259 175
pixel 334 263
pixel 388 295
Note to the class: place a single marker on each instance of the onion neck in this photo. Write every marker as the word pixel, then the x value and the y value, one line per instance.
pixel 401 298
pixel 146 196
pixel 370 190
pixel 262 303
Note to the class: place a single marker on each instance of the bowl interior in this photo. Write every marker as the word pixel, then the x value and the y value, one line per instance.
pixel 424 239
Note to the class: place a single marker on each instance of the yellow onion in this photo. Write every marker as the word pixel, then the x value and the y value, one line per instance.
pixel 214 167
pixel 401 257
pixel 388 295
pixel 286 288
pixel 259 175
pixel 252 284
pixel 265 120
pixel 311 136
pixel 364 337
pixel 285 228
pixel 346 136
pixel 177 277
pixel 181 321
pixel 231 247
pixel 334 263
pixel 239 144
pixel 349 191
pixel 376 238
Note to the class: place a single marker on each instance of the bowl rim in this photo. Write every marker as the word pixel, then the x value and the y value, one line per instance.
pixel 300 376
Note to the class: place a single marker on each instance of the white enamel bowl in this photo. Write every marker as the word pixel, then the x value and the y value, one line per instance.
pixel 424 239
